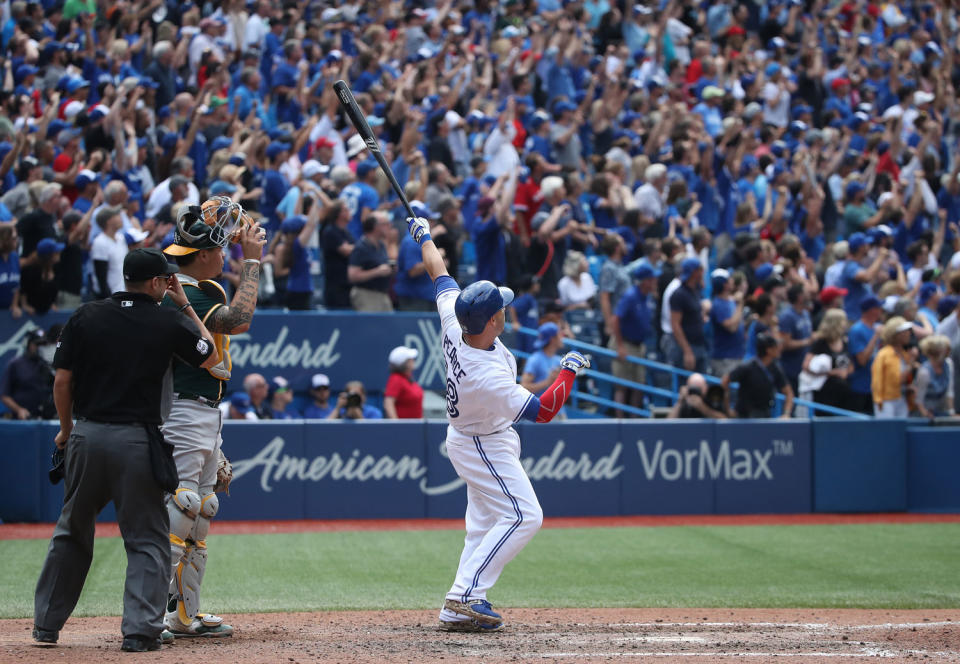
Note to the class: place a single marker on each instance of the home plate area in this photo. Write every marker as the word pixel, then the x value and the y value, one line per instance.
pixel 545 635
pixel 704 638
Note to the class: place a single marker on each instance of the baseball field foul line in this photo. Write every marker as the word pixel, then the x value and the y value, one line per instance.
pixel 582 655
pixel 810 626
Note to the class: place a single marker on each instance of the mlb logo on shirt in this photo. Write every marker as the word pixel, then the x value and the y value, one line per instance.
pixel 126 303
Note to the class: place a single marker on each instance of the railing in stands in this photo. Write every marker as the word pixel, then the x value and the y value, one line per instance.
pixel 674 373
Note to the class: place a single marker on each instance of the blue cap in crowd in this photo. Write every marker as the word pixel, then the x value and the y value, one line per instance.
pixel 276 148
pixel 84 178
pixel 241 402
pixel 221 143
pixel 563 107
pixel 946 305
pixel 364 167
pixel 75 83
pixel 772 70
pixel 48 246
pixel 927 291
pixel 25 70
pixel 763 272
pixel 854 188
pixel 857 240
pixel 545 333
pixel 644 270
pixel 870 302
pixel 688 267
pixel 168 141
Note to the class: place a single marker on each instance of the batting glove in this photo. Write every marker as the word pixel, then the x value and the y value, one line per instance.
pixel 419 229
pixel 575 362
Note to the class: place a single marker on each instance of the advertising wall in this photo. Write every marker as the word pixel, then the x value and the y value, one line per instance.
pixel 329 470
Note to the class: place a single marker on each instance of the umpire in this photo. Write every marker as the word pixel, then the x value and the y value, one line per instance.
pixel 110 365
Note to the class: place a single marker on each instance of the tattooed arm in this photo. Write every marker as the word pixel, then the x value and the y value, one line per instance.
pixel 236 318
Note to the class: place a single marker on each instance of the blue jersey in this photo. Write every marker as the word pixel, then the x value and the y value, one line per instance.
pixel 299 279
pixel 798 326
pixel 491 255
pixel 275 186
pixel 726 345
pixel 858 338
pixel 358 197
pixel 419 287
pixel 635 313
pixel 857 291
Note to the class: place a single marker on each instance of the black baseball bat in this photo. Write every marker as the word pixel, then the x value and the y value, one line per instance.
pixel 363 128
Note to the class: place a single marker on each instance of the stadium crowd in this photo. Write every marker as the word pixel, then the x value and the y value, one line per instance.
pixel 763 190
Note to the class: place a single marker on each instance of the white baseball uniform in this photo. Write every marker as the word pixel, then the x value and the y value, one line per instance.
pixel 483 401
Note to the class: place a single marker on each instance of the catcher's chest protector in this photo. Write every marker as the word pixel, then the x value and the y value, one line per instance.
pixel 214 291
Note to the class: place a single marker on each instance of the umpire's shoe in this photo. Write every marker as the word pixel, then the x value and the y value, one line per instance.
pixel 140 644
pixel 46 637
pixel 205 624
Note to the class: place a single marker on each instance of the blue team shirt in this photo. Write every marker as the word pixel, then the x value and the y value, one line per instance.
pixel 358 197
pixel 287 108
pixel 491 255
pixel 315 412
pixel 798 326
pixel 635 311
pixel 275 187
pixel 299 280
pixel 726 345
pixel 420 287
pixel 856 290
pixel 528 315
pixel 858 338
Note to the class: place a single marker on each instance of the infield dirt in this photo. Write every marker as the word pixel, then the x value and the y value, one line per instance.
pixel 544 635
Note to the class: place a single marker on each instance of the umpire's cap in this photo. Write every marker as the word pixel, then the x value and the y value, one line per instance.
pixel 478 302
pixel 143 264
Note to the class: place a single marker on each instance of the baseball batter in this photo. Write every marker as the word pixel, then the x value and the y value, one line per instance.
pixel 483 402
pixel 194 423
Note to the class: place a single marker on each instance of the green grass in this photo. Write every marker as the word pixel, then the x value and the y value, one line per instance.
pixel 863 566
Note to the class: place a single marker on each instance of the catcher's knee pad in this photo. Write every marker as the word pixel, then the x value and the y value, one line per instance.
pixel 209 503
pixel 201 525
pixel 183 508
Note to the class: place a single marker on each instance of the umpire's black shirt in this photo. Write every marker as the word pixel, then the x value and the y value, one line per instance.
pixel 119 349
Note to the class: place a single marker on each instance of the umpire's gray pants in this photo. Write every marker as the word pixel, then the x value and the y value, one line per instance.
pixel 107 462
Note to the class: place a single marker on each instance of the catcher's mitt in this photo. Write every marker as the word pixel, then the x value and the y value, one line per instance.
pixel 224 474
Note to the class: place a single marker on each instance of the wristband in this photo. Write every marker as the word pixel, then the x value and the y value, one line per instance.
pixel 184 307
pixel 252 260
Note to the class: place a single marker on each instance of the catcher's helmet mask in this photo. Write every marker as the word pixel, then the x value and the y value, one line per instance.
pixel 210 226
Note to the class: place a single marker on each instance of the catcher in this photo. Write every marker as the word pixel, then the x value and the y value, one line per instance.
pixel 194 423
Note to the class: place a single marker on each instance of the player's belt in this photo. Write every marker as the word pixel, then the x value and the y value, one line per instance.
pixel 213 403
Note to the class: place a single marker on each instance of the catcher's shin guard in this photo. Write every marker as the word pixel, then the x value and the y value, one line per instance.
pixel 189 550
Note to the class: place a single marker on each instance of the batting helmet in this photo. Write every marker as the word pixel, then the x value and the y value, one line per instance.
pixel 478 302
